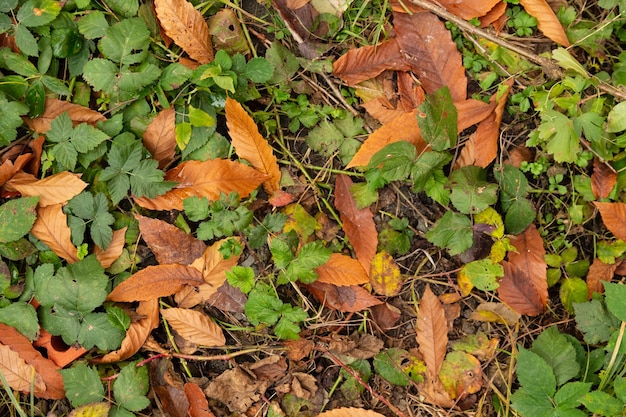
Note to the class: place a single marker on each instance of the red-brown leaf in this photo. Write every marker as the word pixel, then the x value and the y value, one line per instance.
pixel 160 137
pixel 613 217
pixel 518 292
pixel 342 270
pixel 52 229
pixel 598 272
pixel 469 9
pixel 547 22
pixel 603 179
pixel 156 281
pixel 358 224
pixel 347 299
pixel 529 260
pixel 169 244
pixel 54 107
pixel 198 404
pixel 350 412
pixel 432 332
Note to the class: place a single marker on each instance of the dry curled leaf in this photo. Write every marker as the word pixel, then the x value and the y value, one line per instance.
pixel 160 137
pixel 347 299
pixel 52 229
pixel 194 326
pixel 342 270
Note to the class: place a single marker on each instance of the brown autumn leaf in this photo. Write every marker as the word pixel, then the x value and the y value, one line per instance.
pixel 18 373
pixel 115 249
pixel 198 404
pixel 45 368
pixel 156 281
pixel 358 224
pixel 342 270
pixel 495 313
pixel 228 298
pixel 186 26
pixel 469 9
pixel 168 387
pixel 34 163
pixel 54 107
pixel 52 229
pixel 385 276
pixel 613 217
pixel 603 179
pixel 160 137
pixel 431 332
pixel 367 62
pixel 137 332
pixel 194 326
pixel 529 259
pixel 428 48
pixel 482 146
pixel 347 299
pixel 169 244
pixel 250 145
pixel 10 168
pixel 55 189
pixel 547 22
pixel 350 412
pixel 493 16
pixel 386 315
pixel 204 179
pixel 213 265
pixel 518 292
pixel 599 271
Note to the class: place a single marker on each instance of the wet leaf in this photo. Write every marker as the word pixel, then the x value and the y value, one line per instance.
pixel 55 189
pixel 194 326
pixel 342 270
pixel 348 299
pixel 160 137
pixel 432 332
pixel 385 275
pixel 613 217
pixel 169 244
pixel 547 22
pixel 52 229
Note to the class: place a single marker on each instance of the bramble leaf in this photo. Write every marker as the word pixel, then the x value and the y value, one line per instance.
pixel 17 218
pixel 437 120
pixel 82 385
pixel 10 120
pixel 131 386
pixel 452 231
pixel 558 131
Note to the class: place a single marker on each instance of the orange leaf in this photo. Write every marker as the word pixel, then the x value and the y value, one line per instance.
pixel 54 107
pixel 469 9
pixel 613 217
pixel 186 26
pixel 213 265
pixel 369 61
pixel 598 272
pixel 160 137
pixel 342 270
pixel 198 404
pixel 493 16
pixel 547 22
pixel 204 179
pixel 250 145
pixel 428 48
pixel 350 412
pixel 432 332
pixel 156 281
pixel 169 244
pixel 358 224
pixel 137 332
pixel 194 326
pixel 18 373
pixel 55 189
pixel 51 228
pixel 110 255
pixel 603 179
pixel 518 292
pixel 530 261
pixel 385 275
pixel 347 299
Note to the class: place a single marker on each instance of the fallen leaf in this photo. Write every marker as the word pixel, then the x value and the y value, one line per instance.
pixel 237 389
pixel 54 107
pixel 493 16
pixel 10 168
pixel 385 275
pixel 386 315
pixel 271 368
pixel 250 145
pixel 159 137
pixel 204 179
pixel 410 93
pixel 529 260
pixel 186 26
pixel 431 332
pixel 168 387
pixel 18 373
pixel 228 298
pixel 518 155
pixel 350 412
pixel 434 393
pixel 547 22
pixel 518 292
pixel 156 281
pixel 213 265
pixel 495 313
pixel 298 349
pixel 194 326
pixel 198 404
pixel 598 272
pixel 303 385
pixel 603 179
pixel 56 350
pixel 137 332
pixel 358 224
pixel 52 229
pixel 613 217
pixel 113 251
pixel 342 270
pixel 55 189
pixel 428 48
pixel 92 410
pixel 169 244
pixel 461 374
pixel 469 9
pixel 347 299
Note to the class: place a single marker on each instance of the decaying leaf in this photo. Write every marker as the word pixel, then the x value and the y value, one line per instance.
pixel 169 244
pixel 348 299
pixel 113 251
pixel 160 137
pixel 52 229
pixel 386 315
pixel 194 326
pixel 198 404
pixel 186 26
pixel 54 107
pixel 547 22
pixel 461 374
pixel 156 281
pixel 55 189
pixel 237 389
pixel 385 275
pixel 613 217
pixel 350 412
pixel 495 313
pixel 432 332
pixel 169 388
pixel 342 270
pixel 603 179
pixel 518 292
pixel 92 410
pixel 18 373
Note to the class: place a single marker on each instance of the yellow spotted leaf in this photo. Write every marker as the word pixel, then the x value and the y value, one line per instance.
pixel 92 410
pixel 385 275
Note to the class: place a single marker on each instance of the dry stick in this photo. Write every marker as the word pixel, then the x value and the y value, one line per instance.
pixel 550 67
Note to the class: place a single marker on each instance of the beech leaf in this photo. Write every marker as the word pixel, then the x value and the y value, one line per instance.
pixel 198 404
pixel 169 244
pixel 385 275
pixel 603 179
pixel 613 217
pixel 55 107
pixel 598 272
pixel 348 299
pixel 160 137
pixel 113 251
pixel 432 332
pixel 469 9
pixel 342 270
pixel 529 260
pixel 17 372
pixel 518 292
pixel 194 326
pixel 55 189
pixel 547 22
pixel 52 229
pixel 350 412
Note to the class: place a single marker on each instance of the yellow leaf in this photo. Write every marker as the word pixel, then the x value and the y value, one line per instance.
pixel 491 217
pixel 464 282
pixel 92 410
pixel 194 326
pixel 55 189
pixel 52 229
pixel 385 275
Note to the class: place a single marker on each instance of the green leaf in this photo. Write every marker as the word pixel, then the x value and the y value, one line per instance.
pixel 131 386
pixel 388 364
pixel 599 402
pixel 568 62
pixel 93 25
pixel 571 394
pixel 7 5
pixel 619 385
pixel 559 133
pixel 284 62
pixel 17 250
pixel 125 8
pixel 452 231
pixel 196 208
pixel 85 137
pixel 10 120
pixel 519 216
pixel 395 161
pixel 437 119
pixel 281 253
pixel 60 322
pixel 554 348
pixel 528 404
pixel 82 385
pixel 38 12
pixel 573 290
pixel 288 327
pixel 126 42
pixel 262 307
pixel 258 70
pixel 309 257
pixel 97 330
pixel 147 180
pixel 595 321
pixel 118 317
pixel 471 193
pixel 483 274
pixel 535 375
pixel 133 79
pixel 198 117
pixel 427 164
pixel 241 277
pixel 101 74
pixel 615 296
pixel 21 316
pixel 616 120
pixel 17 218
pixel 26 41
pixel 17 63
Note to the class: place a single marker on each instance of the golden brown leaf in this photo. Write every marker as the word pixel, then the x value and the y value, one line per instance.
pixel 169 244
pixel 186 26
pixel 52 229
pixel 518 292
pixel 598 272
pixel 55 189
pixel 428 48
pixel 358 224
pixel 469 9
pixel 156 281
pixel 160 137
pixel 495 313
pixel 603 179
pixel 493 16
pixel 198 404
pixel 350 412
pixel 613 217
pixel 213 265
pixel 18 373
pixel 113 251
pixel 250 145
pixel 547 22
pixel 529 259
pixel 194 326
pixel 431 332
pixel 204 179
pixel 347 299
pixel 342 270
pixel 137 332
pixel 54 107
pixel 385 275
